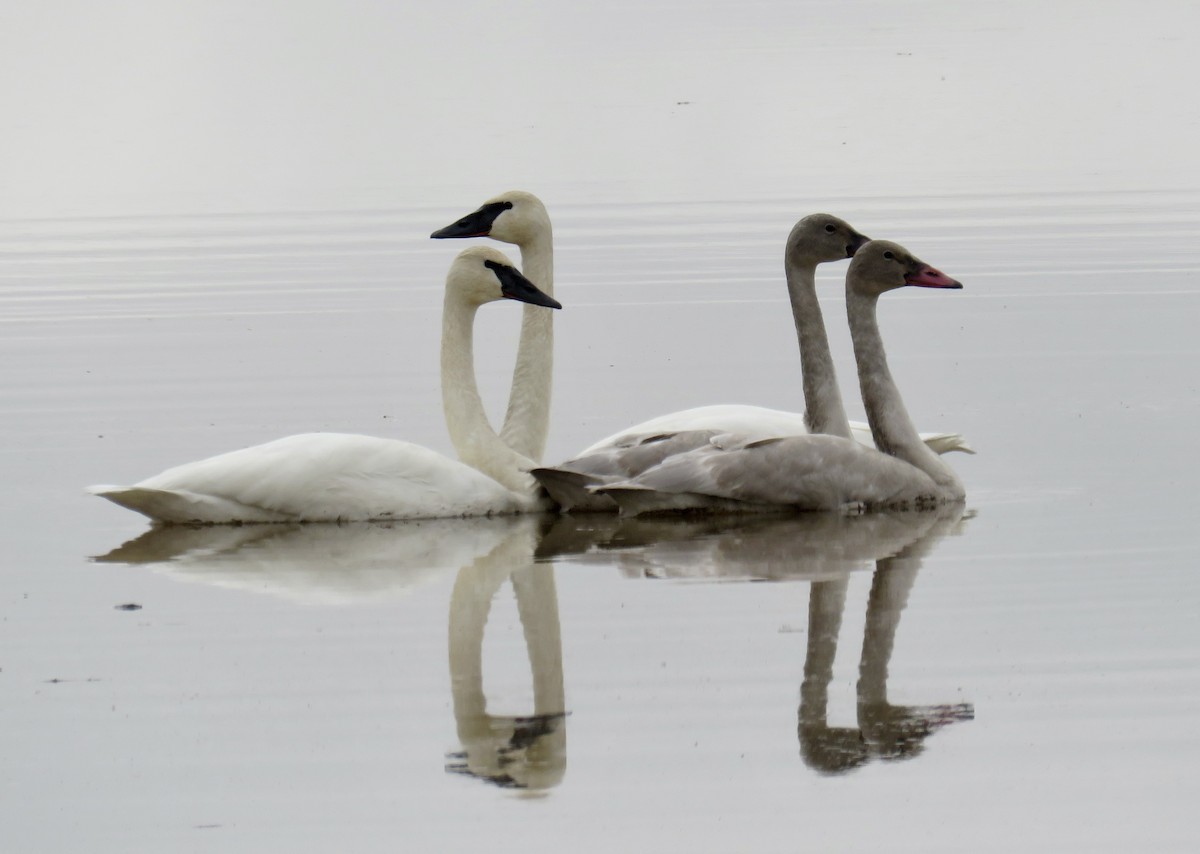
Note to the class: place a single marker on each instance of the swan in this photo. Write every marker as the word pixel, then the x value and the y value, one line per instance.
pixel 815 239
pixel 319 477
pixel 819 472
pixel 520 218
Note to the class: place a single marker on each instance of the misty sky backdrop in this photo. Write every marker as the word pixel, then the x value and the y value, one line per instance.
pixel 144 106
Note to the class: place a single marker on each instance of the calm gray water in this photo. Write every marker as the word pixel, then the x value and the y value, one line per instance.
pixel 1024 677
pixel 213 232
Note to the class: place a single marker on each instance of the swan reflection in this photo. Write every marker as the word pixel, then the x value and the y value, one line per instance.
pixel 823 549
pixel 337 564
pixel 530 751
pixel 359 562
pixel 884 731
pixel 795 546
pixel 316 564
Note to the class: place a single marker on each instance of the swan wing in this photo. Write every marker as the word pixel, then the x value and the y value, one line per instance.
pixel 572 484
pixel 804 472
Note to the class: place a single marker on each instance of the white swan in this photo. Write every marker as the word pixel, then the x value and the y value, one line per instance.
pixel 520 218
pixel 341 477
pixel 819 472
pixel 813 240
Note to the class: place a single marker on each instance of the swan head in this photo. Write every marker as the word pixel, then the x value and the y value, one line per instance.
pixel 822 237
pixel 513 217
pixel 880 266
pixel 482 274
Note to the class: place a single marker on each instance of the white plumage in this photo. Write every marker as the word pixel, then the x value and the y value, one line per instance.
pixel 344 477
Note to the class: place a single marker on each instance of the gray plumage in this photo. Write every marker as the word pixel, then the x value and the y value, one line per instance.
pixel 817 472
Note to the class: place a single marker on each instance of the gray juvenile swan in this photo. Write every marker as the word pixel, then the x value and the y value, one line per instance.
pixel 815 239
pixel 316 477
pixel 819 472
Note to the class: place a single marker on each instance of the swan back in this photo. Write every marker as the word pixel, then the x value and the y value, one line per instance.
pixel 317 477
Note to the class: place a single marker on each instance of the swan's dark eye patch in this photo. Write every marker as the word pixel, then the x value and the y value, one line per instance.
pixel 889 256
pixel 829 229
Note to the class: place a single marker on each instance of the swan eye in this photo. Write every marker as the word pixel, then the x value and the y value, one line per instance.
pixel 888 255
pixel 829 229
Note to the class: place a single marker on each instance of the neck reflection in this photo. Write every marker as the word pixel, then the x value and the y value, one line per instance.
pixel 527 752
pixel 824 549
pixel 885 731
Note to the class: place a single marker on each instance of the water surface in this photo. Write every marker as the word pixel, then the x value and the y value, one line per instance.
pixel 1024 675
pixel 214 225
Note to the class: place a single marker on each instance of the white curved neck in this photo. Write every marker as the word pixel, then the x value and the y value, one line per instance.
pixel 823 410
pixel 527 420
pixel 891 426
pixel 466 420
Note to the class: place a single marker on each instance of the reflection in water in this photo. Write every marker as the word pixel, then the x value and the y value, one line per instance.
pixel 527 752
pixel 801 546
pixel 366 561
pixel 884 731
pixel 823 548
pixel 319 563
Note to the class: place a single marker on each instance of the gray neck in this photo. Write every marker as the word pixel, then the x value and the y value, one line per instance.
pixel 527 419
pixel 824 412
pixel 891 426
pixel 474 439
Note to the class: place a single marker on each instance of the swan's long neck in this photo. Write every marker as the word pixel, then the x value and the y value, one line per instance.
pixel 823 410
pixel 891 426
pixel 466 420
pixel 527 420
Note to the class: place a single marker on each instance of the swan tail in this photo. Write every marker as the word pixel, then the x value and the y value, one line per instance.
pixel 944 443
pixel 572 491
pixel 179 507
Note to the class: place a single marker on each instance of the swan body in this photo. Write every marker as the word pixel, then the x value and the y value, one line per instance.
pixel 813 472
pixel 634 450
pixel 814 240
pixel 318 477
pixel 818 472
pixel 324 477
